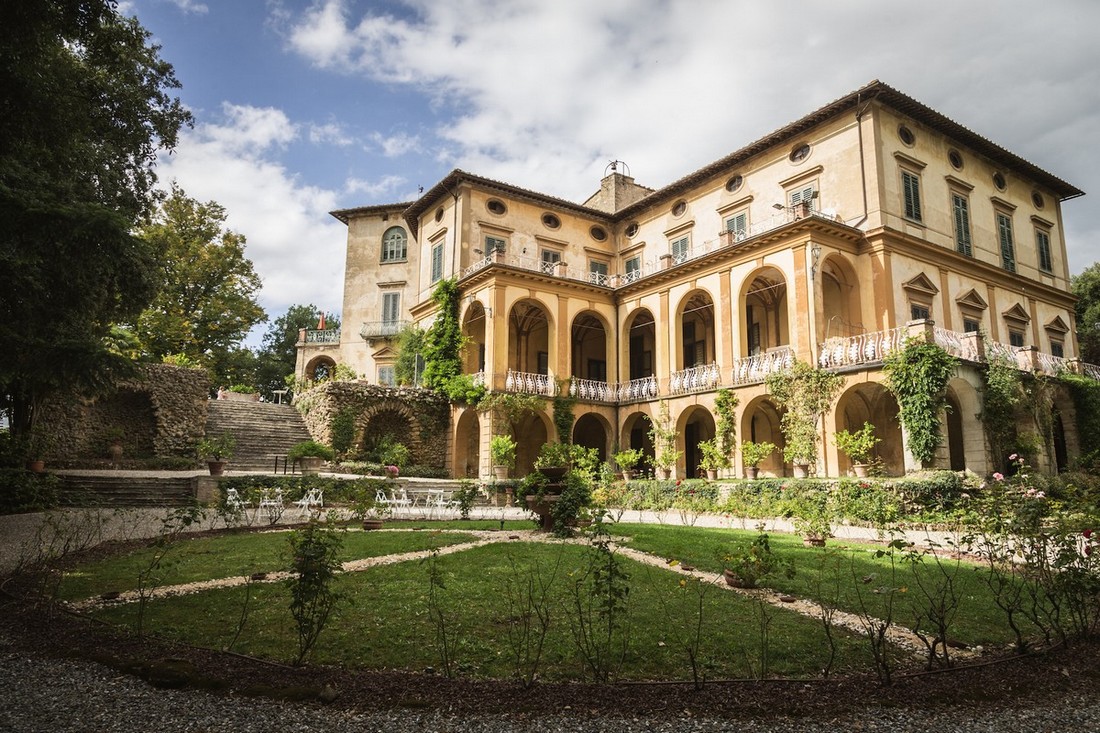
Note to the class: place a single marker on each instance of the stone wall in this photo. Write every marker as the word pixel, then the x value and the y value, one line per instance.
pixel 418 418
pixel 160 413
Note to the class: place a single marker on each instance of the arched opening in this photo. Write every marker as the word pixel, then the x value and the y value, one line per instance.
pixel 588 348
pixel 467 450
pixel 760 424
pixel 1058 430
pixel 529 338
pixel 636 429
pixel 840 305
pixel 873 403
pixel 639 344
pixel 764 308
pixel 696 424
pixel 320 368
pixel 128 416
pixel 385 428
pixel 592 431
pixel 531 432
pixel 956 446
pixel 473 331
pixel 696 329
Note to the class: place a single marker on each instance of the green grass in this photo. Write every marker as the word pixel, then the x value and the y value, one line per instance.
pixel 384 622
pixel 837 574
pixel 231 555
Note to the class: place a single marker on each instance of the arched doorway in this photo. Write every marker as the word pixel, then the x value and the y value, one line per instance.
pixel 840 304
pixel 696 330
pixel 639 344
pixel 529 341
pixel 764 308
pixel 695 425
pixel 532 430
pixel 636 435
pixel 467 445
pixel 588 348
pixel 870 402
pixel 593 431
pixel 760 424
pixel 320 368
pixel 473 331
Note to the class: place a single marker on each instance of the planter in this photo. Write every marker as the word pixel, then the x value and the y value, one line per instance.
pixel 712 474
pixel 860 469
pixel 35 465
pixel 734 580
pixel 369 524
pixel 554 473
pixel 664 473
pixel 239 396
pixel 311 465
pixel 813 541
pixel 751 472
pixel 501 472
pixel 114 452
pixel 801 470
pixel 542 508
pixel 217 468
pixel 628 473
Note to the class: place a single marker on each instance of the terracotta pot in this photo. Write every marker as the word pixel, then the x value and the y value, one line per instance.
pixel 664 473
pixel 553 473
pixel 501 472
pixel 813 541
pixel 114 452
pixel 801 470
pixel 860 470
pixel 35 465
pixel 734 580
pixel 217 468
pixel 628 473
pixel 751 471
pixel 712 474
pixel 369 524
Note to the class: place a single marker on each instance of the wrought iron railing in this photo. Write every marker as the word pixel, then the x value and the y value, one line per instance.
pixel 756 368
pixel 529 383
pixel 328 336
pixel 700 378
pixel 592 390
pixel 382 329
pixel 862 349
pixel 636 390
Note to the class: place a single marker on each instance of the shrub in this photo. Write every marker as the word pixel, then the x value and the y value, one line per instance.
pixel 310 448
pixel 25 491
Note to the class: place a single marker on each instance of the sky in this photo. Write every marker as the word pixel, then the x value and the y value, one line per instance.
pixel 303 107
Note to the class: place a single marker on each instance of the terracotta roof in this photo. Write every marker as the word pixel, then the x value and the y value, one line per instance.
pixel 345 214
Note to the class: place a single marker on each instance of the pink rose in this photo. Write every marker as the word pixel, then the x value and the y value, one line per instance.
pixel 998 476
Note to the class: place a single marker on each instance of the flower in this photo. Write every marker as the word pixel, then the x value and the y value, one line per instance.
pixel 1012 457
pixel 1087 533
pixel 392 471
pixel 998 476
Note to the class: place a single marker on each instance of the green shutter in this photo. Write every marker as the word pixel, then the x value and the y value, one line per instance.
pixel 911 189
pixel 962 225
pixel 437 262
pixel 1004 232
pixel 1042 240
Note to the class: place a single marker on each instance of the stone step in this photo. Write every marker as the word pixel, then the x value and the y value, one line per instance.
pixel 83 490
pixel 263 431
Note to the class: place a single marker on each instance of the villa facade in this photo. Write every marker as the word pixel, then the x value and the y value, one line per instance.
pixel 828 241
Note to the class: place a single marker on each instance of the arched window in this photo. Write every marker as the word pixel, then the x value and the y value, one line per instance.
pixel 394 245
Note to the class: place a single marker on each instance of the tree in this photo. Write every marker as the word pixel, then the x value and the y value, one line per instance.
pixel 207 299
pixel 279 353
pixel 1086 286
pixel 86 106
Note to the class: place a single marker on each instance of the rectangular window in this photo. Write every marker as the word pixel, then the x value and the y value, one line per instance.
pixel 394 245
pixel 543 362
pixel 494 244
pixel 919 312
pixel 1004 235
pixel 391 307
pixel 632 269
pixel 386 376
pixel 739 225
pixel 1016 338
pixel 548 260
pixel 597 272
pixel 802 199
pixel 1042 243
pixel 971 326
pixel 961 209
pixel 437 262
pixel 1056 349
pixel 910 186
pixel 679 248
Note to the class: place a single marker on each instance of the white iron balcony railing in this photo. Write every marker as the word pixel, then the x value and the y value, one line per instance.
pixel 528 383
pixel 756 368
pixel 1091 371
pixel 478 379
pixel 862 349
pixel 382 329
pixel 637 390
pixel 702 378
pixel 328 336
pixel 592 390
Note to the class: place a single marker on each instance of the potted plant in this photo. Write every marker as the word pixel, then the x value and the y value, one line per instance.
pixel 806 394
pixel 310 455
pixel 857 446
pixel 813 518
pixel 713 458
pixel 752 454
pixel 626 460
pixel 554 460
pixel 217 452
pixel 503 450
pixel 745 567
pixel 663 436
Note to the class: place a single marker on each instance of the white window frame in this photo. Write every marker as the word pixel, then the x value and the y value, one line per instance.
pixel 679 248
pixel 395 245
pixel 738 223
pixel 437 262
pixel 391 307
pixel 632 268
pixel 548 260
pixel 387 375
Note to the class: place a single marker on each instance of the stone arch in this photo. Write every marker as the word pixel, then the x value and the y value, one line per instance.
pixel 533 430
pixel 638 345
pixel 592 430
pixel 840 299
pixel 589 346
pixel 635 434
pixel 760 424
pixel 695 424
pixel 695 323
pixel 530 348
pixel 963 431
pixel 473 330
pixel 872 402
pixel 763 306
pixel 129 412
pixel 320 368
pixel 466 456
pixel 388 420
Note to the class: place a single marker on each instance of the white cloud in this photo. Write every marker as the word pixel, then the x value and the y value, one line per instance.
pixel 374 189
pixel 296 247
pixel 543 94
pixel 329 133
pixel 190 6
pixel 396 145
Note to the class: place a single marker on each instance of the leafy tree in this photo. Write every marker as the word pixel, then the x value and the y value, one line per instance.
pixel 207 300
pixel 443 341
pixel 86 106
pixel 278 354
pixel 1086 286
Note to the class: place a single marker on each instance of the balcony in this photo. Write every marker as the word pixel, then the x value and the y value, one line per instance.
pixel 591 390
pixel 862 349
pixel 382 329
pixel 328 336
pixel 703 378
pixel 755 369
pixel 529 383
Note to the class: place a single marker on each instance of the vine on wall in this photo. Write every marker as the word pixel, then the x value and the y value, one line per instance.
pixel 443 341
pixel 805 394
pixel 917 375
pixel 1002 394
pixel 1085 394
pixel 563 417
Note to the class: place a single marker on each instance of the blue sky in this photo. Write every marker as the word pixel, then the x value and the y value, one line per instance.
pixel 305 106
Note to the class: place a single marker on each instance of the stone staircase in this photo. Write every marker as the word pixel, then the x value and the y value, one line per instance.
pixel 263 431
pixel 112 489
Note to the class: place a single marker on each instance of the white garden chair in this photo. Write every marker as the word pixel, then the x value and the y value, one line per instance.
pixel 313 500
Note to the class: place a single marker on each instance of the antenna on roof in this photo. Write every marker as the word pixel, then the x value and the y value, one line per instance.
pixel 613 167
pixel 420 189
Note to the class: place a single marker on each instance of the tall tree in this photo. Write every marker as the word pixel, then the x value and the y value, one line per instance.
pixel 279 353
pixel 207 299
pixel 1086 286
pixel 86 106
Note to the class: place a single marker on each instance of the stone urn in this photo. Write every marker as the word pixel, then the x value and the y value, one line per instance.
pixel 311 465
pixel 752 472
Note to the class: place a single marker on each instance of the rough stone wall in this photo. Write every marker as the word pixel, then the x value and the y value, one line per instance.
pixel 381 409
pixel 161 413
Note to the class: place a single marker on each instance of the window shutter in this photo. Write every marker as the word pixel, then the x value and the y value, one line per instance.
pixel 911 188
pixel 391 306
pixel 680 249
pixel 1004 229
pixel 739 224
pixel 1042 240
pixel 437 262
pixel 962 225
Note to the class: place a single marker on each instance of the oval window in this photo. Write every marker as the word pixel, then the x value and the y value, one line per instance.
pixel 956 159
pixel 800 152
pixel 734 183
pixel 999 181
pixel 632 229
pixel 496 206
pixel 906 135
pixel 551 221
pixel 598 233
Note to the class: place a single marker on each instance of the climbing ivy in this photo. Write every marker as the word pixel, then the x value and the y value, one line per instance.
pixel 917 375
pixel 563 417
pixel 1085 394
pixel 443 341
pixel 1002 394
pixel 804 393
pixel 725 404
